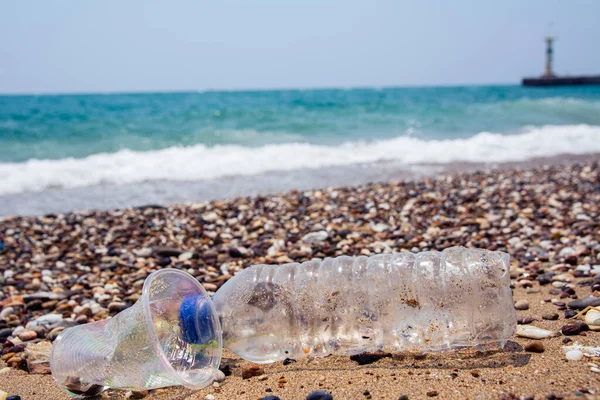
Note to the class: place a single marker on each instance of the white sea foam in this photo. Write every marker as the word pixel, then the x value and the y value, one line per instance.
pixel 201 162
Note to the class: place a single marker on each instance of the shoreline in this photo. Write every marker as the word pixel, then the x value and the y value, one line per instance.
pixel 181 193
pixel 546 218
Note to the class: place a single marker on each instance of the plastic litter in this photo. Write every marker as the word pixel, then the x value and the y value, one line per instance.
pixel 173 335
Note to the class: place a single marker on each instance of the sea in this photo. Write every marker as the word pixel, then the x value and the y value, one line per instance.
pixel 61 153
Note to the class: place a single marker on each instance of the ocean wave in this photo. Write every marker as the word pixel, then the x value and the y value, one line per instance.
pixel 200 162
pixel 587 110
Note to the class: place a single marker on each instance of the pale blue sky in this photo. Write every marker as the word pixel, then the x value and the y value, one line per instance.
pixel 106 46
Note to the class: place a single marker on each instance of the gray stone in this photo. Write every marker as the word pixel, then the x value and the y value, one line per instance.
pixel 6 332
pixel 580 304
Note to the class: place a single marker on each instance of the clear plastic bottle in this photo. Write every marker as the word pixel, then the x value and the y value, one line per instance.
pixel 396 302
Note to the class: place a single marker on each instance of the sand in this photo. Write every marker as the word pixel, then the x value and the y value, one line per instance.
pixel 512 372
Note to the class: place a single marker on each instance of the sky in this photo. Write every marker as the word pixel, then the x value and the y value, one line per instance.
pixel 55 46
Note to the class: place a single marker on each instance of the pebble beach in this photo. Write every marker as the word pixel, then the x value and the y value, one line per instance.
pixel 61 270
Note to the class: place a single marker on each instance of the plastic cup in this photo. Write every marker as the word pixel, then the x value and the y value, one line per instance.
pixel 146 346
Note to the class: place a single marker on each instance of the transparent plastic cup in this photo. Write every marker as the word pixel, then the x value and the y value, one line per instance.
pixel 144 346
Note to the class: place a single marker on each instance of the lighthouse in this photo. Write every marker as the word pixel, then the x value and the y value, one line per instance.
pixel 548 72
pixel 549 79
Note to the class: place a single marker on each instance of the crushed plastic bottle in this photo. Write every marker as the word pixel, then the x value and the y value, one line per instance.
pixel 430 301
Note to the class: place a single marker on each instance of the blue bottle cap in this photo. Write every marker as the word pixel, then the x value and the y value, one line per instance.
pixel 195 319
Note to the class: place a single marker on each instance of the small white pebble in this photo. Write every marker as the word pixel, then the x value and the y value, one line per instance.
pixel 591 364
pixel 594 369
pixel 574 355
pixel 5 370
pixel 219 376
pixel 209 397
pixel 18 330
pixel 216 384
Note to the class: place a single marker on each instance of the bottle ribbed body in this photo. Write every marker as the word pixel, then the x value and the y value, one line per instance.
pixel 401 302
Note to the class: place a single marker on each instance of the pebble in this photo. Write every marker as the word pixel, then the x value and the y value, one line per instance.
pixel 570 314
pixel 369 357
pixel 525 320
pixel 288 361
pixel 45 320
pixel 18 330
pixel 27 335
pixel 53 334
pixel 145 252
pixel 38 357
pixel 592 317
pixel 209 397
pixel 581 304
pixel 165 251
pixel 432 393
pixel 15 397
pixel 574 355
pixel 5 332
pixel 315 237
pixel 533 332
pixel 6 312
pixel 534 347
pixel 253 370
pixel 211 287
pixel 574 329
pixel 117 306
pixel 550 316
pixel 81 319
pixel 135 394
pixel 271 397
pixel 522 305
pixel 219 376
pixel 319 395
pixel 210 217
pixel 15 362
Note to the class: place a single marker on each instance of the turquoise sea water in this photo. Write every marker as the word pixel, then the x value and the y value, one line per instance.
pixel 64 142
pixel 54 127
